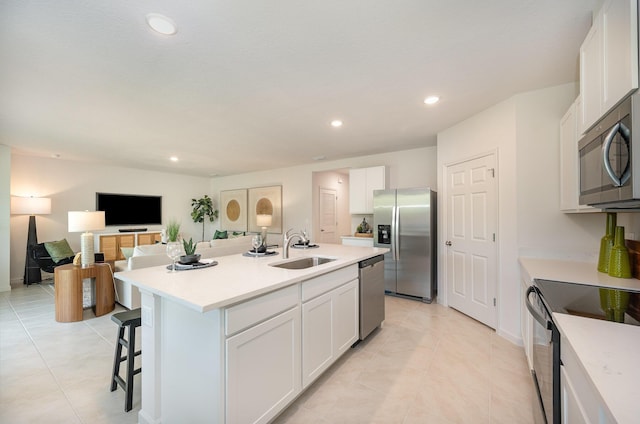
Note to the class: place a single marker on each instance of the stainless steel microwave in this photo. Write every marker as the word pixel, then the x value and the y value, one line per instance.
pixel 610 161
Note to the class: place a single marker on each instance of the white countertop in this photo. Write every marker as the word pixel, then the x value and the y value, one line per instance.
pixel 608 351
pixel 237 278
pixel 574 272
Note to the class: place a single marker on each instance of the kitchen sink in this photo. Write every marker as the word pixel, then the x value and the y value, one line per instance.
pixel 303 263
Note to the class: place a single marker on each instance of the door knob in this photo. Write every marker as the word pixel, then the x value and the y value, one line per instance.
pixel 448 243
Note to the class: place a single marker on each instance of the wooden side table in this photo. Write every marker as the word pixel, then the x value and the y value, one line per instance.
pixel 68 290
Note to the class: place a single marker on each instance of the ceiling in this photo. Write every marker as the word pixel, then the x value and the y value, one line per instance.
pixel 253 85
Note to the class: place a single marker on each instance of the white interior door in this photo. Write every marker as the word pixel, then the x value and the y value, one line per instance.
pixel 328 207
pixel 471 259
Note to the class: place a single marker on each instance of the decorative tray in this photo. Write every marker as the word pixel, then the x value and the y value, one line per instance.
pixel 205 263
pixel 254 254
pixel 304 246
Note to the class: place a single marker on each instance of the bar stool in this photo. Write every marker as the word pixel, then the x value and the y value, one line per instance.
pixel 129 319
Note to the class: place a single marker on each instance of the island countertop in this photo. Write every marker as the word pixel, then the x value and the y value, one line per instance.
pixel 237 278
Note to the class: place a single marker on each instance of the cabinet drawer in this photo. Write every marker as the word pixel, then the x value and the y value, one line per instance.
pixel 325 283
pixel 251 312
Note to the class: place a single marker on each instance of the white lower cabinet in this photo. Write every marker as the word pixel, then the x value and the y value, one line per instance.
pixel 263 369
pixel 278 343
pixel 329 328
pixel 572 411
pixel 580 400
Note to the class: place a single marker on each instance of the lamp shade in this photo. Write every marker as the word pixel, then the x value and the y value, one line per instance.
pixel 263 220
pixel 80 221
pixel 30 205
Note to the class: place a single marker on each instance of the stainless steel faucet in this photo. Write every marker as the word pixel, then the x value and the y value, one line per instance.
pixel 286 240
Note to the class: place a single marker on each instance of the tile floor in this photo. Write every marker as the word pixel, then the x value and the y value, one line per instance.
pixel 429 364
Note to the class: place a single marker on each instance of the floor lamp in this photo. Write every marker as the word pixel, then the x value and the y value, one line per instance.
pixel 31 206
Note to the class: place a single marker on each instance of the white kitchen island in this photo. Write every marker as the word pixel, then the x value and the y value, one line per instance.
pixel 239 341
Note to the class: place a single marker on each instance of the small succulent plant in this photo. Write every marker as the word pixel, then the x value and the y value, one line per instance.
pixel 189 247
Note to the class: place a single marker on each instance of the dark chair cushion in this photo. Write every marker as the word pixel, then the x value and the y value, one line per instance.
pixel 41 256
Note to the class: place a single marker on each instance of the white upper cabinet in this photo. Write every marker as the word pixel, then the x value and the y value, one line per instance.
pixel 620 51
pixel 362 183
pixel 591 75
pixel 608 60
pixel 569 163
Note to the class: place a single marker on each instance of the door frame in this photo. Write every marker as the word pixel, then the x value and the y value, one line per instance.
pixel 444 221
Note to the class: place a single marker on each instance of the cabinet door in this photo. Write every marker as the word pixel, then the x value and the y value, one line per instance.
pixel 357 190
pixel 572 412
pixel 346 317
pixel 317 337
pixel 109 246
pixel 569 163
pixel 127 240
pixel 620 51
pixel 375 181
pixel 148 238
pixel 329 328
pixel 591 74
pixel 263 369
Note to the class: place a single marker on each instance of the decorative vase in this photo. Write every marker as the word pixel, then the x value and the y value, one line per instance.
pixel 619 265
pixel 614 303
pixel 606 243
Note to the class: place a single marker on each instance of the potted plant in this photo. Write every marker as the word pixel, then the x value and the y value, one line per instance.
pixel 173 230
pixel 202 209
pixel 190 256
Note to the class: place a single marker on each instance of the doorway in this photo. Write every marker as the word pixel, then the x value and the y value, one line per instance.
pixel 471 248
pixel 336 180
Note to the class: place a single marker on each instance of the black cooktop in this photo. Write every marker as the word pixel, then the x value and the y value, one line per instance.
pixel 585 300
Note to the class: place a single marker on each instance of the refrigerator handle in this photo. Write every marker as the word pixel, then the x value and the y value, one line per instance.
pixel 396 232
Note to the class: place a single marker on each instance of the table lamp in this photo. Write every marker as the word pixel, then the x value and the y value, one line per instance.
pixel 86 221
pixel 263 221
pixel 31 206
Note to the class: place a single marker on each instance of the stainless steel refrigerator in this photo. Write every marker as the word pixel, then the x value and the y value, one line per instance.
pixel 405 221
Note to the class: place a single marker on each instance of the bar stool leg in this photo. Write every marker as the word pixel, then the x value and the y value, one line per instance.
pixel 117 359
pixel 130 362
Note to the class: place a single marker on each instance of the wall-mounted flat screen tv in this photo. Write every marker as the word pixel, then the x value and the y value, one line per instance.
pixel 130 209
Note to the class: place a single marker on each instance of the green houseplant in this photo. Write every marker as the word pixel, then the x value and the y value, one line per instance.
pixel 190 256
pixel 173 229
pixel 189 247
pixel 203 209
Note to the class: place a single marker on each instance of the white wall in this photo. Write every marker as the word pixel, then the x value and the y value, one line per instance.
pixel 5 183
pixel 409 168
pixel 73 186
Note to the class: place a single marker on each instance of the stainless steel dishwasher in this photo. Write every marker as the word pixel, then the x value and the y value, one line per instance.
pixel 371 294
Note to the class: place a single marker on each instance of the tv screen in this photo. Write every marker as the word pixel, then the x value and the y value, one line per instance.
pixel 129 209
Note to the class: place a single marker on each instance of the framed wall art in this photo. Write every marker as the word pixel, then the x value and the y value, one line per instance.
pixel 265 201
pixel 233 210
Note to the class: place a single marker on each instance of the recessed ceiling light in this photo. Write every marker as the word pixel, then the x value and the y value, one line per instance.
pixel 161 24
pixel 173 159
pixel 336 123
pixel 431 100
